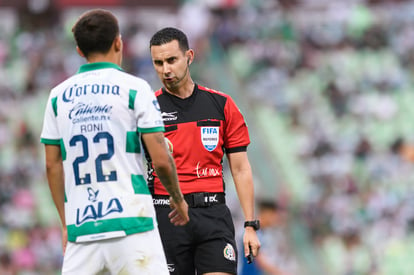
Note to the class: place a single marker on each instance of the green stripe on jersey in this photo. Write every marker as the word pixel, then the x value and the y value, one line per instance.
pixel 128 225
pixel 62 149
pixel 133 144
pixel 98 66
pixel 56 142
pixel 132 96
pixel 151 130
pixel 54 105
pixel 139 184
pixel 50 141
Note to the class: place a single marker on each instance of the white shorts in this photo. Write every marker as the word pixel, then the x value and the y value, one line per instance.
pixel 140 253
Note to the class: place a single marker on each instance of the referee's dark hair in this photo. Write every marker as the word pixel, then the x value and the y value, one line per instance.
pixel 95 31
pixel 169 34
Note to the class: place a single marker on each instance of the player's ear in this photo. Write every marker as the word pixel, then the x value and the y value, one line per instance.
pixel 118 43
pixel 80 52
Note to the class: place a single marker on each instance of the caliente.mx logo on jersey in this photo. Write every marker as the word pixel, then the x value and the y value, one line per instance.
pixel 210 137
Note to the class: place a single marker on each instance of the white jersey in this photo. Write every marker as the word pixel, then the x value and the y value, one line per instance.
pixel 97 116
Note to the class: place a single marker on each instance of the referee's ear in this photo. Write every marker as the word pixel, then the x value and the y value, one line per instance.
pixel 190 56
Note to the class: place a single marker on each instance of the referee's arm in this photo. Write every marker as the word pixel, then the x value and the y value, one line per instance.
pixel 243 180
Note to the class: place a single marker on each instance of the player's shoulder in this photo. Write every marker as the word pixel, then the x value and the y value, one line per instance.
pixel 128 79
pixel 62 86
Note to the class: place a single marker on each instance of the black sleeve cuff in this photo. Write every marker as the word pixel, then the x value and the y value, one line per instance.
pixel 236 149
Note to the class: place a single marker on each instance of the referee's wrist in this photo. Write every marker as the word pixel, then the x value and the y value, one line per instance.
pixel 249 228
pixel 253 224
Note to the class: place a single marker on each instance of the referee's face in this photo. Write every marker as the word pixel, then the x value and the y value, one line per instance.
pixel 171 64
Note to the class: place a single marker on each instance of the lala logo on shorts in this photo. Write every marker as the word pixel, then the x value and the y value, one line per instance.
pixel 210 137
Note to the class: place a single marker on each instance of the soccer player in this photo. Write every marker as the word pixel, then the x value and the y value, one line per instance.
pixel 92 131
pixel 201 125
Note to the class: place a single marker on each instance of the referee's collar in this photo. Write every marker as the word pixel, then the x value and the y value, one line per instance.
pixel 98 66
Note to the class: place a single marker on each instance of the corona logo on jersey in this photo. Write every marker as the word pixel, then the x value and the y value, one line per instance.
pixel 210 137
pixel 74 91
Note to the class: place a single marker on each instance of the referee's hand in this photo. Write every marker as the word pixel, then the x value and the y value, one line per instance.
pixel 179 214
pixel 251 242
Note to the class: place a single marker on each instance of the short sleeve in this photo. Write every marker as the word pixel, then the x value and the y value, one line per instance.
pixel 50 132
pixel 148 111
pixel 236 135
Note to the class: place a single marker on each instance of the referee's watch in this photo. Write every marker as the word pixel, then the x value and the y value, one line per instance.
pixel 255 224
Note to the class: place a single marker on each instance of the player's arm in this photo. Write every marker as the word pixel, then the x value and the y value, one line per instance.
pixel 55 178
pixel 243 180
pixel 164 166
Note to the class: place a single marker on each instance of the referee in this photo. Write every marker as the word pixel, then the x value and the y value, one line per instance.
pixel 201 125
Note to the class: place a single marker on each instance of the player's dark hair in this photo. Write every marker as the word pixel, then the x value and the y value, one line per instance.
pixel 95 31
pixel 169 34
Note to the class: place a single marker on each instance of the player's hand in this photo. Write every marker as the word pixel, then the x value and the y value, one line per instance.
pixel 64 239
pixel 179 215
pixel 251 242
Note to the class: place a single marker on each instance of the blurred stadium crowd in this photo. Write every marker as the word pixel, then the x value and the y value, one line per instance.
pixel 339 75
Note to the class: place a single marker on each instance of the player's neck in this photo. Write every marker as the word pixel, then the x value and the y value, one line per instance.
pixel 110 57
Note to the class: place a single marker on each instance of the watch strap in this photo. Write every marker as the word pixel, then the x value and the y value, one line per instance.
pixel 255 224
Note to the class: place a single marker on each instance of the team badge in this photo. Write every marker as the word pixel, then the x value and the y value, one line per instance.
pixel 229 252
pixel 156 105
pixel 210 137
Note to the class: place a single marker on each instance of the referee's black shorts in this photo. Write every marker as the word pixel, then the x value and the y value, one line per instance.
pixel 206 243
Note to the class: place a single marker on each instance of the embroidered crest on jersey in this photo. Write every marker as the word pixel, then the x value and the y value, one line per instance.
pixel 210 137
pixel 229 253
